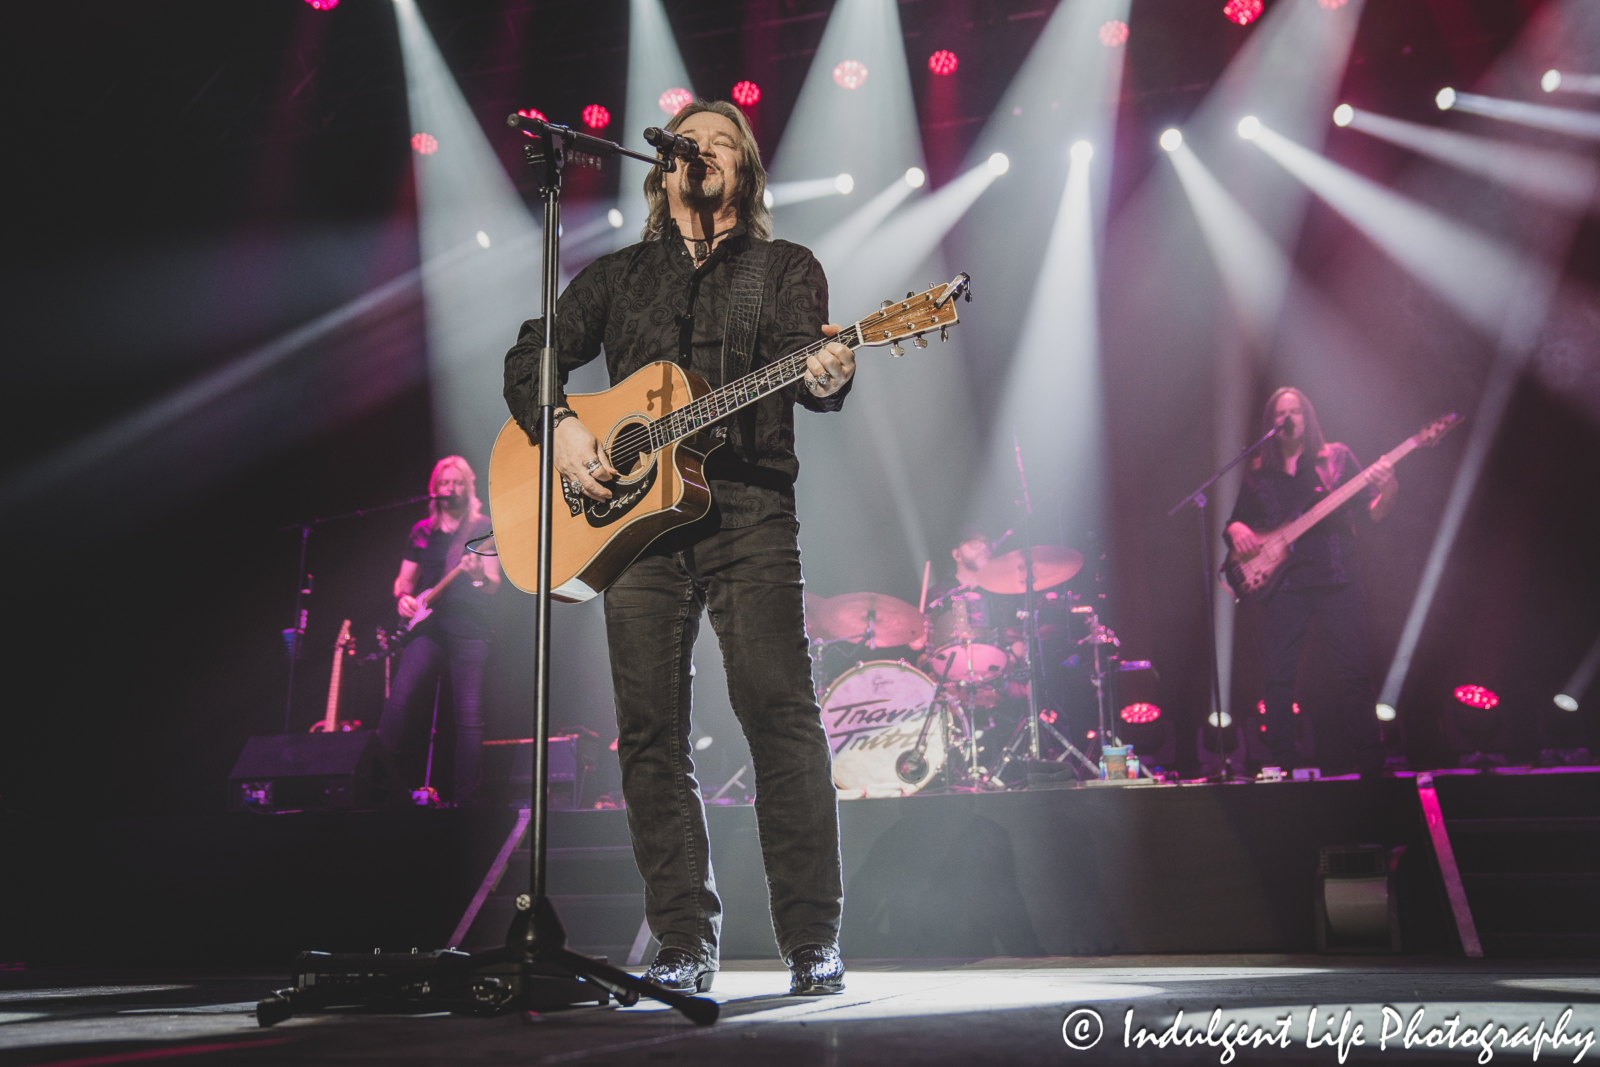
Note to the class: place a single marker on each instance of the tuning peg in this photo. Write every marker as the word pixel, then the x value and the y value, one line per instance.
pixel 887 304
pixel 910 295
pixel 896 349
pixel 920 341
pixel 944 333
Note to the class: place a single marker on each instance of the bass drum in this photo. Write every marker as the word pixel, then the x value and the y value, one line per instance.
pixel 874 714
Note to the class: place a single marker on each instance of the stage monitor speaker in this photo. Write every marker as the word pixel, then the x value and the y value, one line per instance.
pixel 1357 909
pixel 346 771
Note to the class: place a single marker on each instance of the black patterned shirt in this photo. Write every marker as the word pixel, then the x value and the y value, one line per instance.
pixel 648 302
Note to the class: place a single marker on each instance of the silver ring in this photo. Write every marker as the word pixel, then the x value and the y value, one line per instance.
pixel 592 466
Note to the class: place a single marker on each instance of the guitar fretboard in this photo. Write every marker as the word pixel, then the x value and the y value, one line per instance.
pixel 1337 499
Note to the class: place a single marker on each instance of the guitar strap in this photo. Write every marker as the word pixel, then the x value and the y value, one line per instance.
pixel 458 544
pixel 744 317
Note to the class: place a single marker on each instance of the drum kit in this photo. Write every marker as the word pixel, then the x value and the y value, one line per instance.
pixel 906 693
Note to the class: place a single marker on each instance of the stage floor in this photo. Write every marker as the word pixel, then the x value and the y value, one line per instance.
pixel 906 1012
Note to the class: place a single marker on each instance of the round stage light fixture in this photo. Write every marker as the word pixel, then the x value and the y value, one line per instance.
pixel 1221 720
pixel 672 101
pixel 915 177
pixel 615 218
pixel 1081 151
pixel 998 163
pixel 1344 115
pixel 702 744
pixel 424 144
pixel 323 5
pixel 1566 702
pixel 1137 713
pixel 483 239
pixel 532 113
pixel 766 198
pixel 851 74
pixel 1113 34
pixel 1244 12
pixel 1249 127
pixel 746 94
pixel 943 62
pixel 1551 81
pixel 1476 696
pixel 1446 98
pixel 844 183
pixel 1172 140
pixel 596 117
pixel 1386 712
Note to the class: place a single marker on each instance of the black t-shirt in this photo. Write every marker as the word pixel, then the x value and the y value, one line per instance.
pixel 462 610
pixel 1326 553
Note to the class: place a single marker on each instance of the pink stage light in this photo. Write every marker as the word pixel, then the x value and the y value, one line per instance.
pixel 323 5
pixel 672 101
pixel 1047 716
pixel 1332 5
pixel 1137 713
pixel 1114 34
pixel 850 74
pixel 596 117
pixel 746 94
pixel 1261 708
pixel 943 62
pixel 1244 12
pixel 1476 696
pixel 424 144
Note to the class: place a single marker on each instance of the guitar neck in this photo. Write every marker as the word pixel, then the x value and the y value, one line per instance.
pixel 331 717
pixel 432 594
pixel 1340 496
pixel 698 414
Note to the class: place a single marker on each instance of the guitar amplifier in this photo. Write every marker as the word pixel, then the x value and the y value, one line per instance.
pixel 347 771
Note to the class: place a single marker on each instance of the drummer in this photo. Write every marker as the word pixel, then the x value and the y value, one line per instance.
pixel 971 554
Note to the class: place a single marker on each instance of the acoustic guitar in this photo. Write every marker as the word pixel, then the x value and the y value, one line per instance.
pixel 1258 574
pixel 656 428
pixel 330 723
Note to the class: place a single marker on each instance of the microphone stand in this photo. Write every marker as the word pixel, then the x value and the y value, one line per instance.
pixel 296 633
pixel 1030 628
pixel 534 971
pixel 536 941
pixel 1198 499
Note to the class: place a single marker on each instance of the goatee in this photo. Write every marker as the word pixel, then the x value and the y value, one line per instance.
pixel 707 196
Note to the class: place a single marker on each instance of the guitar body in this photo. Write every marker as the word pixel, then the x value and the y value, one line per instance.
pixel 1254 577
pixel 592 542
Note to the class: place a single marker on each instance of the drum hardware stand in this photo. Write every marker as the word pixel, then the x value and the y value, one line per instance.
pixel 1030 632
pixel 1198 499
pixel 427 796
pixel 1099 636
pixel 534 970
pixel 294 635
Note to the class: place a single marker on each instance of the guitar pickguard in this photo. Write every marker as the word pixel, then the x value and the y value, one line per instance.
pixel 624 496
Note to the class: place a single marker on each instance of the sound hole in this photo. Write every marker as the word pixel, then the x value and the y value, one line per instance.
pixel 630 448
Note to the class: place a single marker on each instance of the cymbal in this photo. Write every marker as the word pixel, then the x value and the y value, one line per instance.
pixel 844 618
pixel 1052 565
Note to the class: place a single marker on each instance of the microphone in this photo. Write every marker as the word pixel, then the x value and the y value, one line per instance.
pixel 1284 428
pixel 670 144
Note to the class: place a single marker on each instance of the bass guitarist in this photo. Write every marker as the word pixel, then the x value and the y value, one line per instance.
pixel 709 288
pixel 1322 579
pixel 454 638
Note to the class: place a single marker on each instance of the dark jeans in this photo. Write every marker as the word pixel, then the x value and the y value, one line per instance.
pixel 422 664
pixel 750 581
pixel 1341 612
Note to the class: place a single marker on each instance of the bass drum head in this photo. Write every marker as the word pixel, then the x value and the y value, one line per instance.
pixel 873 715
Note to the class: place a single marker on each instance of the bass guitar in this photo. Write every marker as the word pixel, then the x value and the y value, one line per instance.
pixel 656 428
pixel 330 723
pixel 1256 575
pixel 425 599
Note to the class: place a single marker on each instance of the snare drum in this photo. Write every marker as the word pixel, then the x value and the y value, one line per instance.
pixel 874 714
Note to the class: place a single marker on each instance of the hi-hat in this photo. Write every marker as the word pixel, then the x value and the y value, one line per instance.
pixel 844 618
pixel 1052 565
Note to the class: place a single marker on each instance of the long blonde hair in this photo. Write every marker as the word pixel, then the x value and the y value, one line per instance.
pixel 474 506
pixel 752 176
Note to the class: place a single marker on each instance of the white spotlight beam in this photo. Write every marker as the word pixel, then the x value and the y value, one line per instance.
pixel 1483 280
pixel 834 248
pixel 870 131
pixel 1561 81
pixel 1583 677
pixel 795 192
pixel 1560 178
pixel 1584 124
pixel 654 66
pixel 473 314
pixel 1254 269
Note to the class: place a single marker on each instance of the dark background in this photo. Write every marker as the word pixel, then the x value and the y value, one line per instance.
pixel 190 181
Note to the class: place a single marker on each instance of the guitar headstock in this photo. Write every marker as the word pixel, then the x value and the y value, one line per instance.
pixel 932 309
pixel 345 640
pixel 1429 435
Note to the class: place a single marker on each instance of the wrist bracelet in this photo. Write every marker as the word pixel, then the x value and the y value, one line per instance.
pixel 561 413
